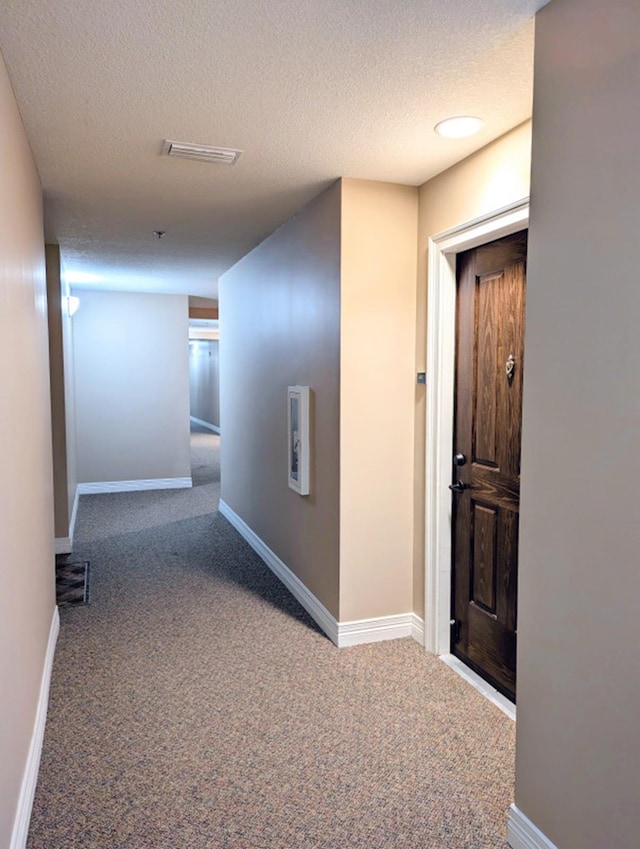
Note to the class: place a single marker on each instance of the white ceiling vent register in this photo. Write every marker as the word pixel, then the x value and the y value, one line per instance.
pixel 202 152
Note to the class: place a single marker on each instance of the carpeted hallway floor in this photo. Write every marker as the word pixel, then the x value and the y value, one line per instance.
pixel 194 705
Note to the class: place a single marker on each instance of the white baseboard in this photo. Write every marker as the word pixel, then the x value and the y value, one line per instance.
pixel 97 487
pixel 523 834
pixel 314 608
pixel 375 630
pixel 341 633
pixel 64 545
pixel 417 628
pixel 30 776
pixel 202 423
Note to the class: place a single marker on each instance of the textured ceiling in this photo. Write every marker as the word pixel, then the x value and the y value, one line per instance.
pixel 310 90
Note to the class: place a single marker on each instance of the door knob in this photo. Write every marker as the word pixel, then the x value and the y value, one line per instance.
pixel 458 486
pixel 459 459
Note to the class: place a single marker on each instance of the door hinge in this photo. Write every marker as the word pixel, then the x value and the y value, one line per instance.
pixel 455 631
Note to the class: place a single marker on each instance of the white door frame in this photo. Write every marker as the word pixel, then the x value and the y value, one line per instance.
pixel 441 337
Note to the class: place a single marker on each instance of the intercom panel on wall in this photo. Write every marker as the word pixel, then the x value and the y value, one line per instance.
pixel 298 430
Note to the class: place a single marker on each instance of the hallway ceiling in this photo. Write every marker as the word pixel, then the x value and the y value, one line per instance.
pixel 309 90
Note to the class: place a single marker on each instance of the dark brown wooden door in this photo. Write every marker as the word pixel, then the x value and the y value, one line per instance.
pixel 486 477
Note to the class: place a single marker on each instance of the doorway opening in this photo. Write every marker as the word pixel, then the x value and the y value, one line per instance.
pixel 441 343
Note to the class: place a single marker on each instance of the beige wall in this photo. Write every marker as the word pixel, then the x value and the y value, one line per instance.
pixel 487 181
pixel 280 308
pixel 578 745
pixel 204 380
pixel 27 600
pixel 377 329
pixel 62 394
pixel 131 365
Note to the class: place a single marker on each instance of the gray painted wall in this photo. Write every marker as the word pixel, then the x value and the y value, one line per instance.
pixel 204 380
pixel 132 386
pixel 578 744
pixel 281 311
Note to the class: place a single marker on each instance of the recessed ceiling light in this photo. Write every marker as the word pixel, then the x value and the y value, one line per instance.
pixel 458 128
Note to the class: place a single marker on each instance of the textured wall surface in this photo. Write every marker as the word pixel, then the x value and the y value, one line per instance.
pixel 27 600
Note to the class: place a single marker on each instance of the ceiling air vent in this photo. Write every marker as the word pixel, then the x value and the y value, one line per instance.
pixel 202 152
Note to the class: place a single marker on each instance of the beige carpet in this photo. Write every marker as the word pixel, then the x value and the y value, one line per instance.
pixel 194 705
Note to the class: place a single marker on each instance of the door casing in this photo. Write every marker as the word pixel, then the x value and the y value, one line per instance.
pixel 441 338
